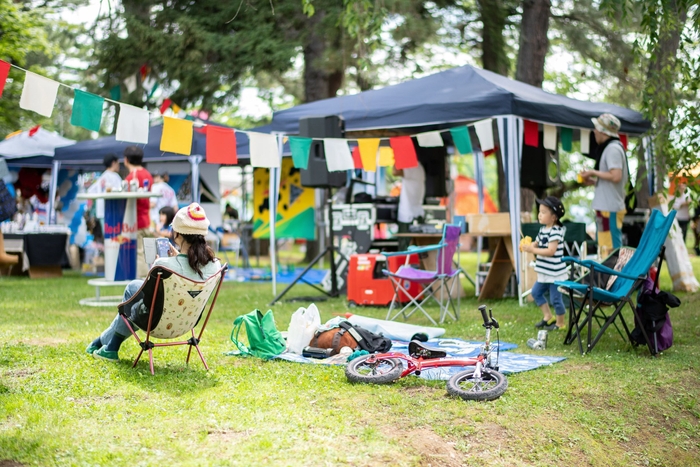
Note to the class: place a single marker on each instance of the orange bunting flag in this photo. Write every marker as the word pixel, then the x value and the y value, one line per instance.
pixel 368 153
pixel 356 158
pixel 404 152
pixel 177 136
pixel 221 145
pixel 386 157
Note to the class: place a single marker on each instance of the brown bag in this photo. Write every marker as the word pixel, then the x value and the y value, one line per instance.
pixel 335 339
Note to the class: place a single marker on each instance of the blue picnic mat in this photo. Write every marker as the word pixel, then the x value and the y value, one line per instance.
pixel 508 362
pixel 313 276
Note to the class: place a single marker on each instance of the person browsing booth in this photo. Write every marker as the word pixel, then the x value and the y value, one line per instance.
pixel 194 260
pixel 133 161
pixel 548 248
pixel 410 199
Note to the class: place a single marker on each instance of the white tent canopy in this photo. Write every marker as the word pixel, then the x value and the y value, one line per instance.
pixel 34 142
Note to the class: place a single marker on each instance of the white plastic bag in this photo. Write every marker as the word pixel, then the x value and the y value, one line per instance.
pixel 302 327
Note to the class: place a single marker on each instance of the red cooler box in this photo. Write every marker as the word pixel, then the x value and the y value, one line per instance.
pixel 367 285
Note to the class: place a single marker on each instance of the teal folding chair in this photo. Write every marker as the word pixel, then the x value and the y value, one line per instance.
pixel 629 280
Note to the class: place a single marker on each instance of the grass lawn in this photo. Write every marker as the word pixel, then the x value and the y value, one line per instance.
pixel 58 406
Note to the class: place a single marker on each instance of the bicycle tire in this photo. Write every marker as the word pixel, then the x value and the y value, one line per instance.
pixel 490 386
pixel 383 371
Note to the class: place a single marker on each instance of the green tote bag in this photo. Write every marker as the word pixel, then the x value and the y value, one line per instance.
pixel 264 340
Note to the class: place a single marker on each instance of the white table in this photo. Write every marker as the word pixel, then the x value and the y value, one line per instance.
pixel 99 300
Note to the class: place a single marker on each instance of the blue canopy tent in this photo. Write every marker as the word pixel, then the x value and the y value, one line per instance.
pixel 460 96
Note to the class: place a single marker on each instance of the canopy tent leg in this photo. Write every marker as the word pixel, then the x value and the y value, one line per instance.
pixel 510 132
pixel 53 188
pixel 194 163
pixel 273 190
pixel 479 175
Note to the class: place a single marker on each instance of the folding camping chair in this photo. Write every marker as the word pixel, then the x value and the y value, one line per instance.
pixel 176 306
pixel 629 279
pixel 439 282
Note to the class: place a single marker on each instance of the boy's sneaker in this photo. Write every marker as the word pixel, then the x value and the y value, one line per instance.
pixel 91 348
pixel 552 327
pixel 543 324
pixel 104 354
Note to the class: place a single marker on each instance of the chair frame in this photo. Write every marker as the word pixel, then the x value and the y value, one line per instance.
pixel 147 344
pixel 427 292
pixel 595 307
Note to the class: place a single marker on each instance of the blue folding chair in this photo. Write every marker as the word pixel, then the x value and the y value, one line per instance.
pixel 629 280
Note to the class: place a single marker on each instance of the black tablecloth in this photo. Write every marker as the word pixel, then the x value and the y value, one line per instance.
pixel 44 249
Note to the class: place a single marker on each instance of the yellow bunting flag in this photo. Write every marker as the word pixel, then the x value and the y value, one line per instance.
pixel 177 136
pixel 368 153
pixel 386 157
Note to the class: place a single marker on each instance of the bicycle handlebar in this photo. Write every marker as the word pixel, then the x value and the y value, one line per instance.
pixel 482 309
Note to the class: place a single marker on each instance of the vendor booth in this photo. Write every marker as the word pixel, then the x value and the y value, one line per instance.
pixel 454 98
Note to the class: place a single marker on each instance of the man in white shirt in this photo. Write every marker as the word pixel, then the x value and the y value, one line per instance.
pixel 108 181
pixel 411 199
pixel 168 196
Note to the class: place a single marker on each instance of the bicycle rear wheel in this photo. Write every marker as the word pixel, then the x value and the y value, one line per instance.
pixel 381 371
pixel 491 385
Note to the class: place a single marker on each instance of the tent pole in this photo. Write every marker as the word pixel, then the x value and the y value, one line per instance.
pixel 479 173
pixel 273 190
pixel 194 163
pixel 55 167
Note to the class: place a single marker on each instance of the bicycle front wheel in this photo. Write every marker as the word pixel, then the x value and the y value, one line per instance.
pixel 381 371
pixel 491 385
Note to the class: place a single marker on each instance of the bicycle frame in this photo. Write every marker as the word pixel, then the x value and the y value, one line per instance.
pixel 416 365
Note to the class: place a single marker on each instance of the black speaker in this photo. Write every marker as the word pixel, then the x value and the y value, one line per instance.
pixel 539 168
pixel 317 174
pixel 437 170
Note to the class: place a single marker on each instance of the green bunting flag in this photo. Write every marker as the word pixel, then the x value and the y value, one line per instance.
pixel 87 110
pixel 567 136
pixel 115 93
pixel 300 151
pixel 460 137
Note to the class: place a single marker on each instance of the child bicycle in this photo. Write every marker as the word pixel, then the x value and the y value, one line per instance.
pixel 482 383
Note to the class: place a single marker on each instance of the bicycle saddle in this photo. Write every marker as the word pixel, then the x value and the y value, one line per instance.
pixel 417 349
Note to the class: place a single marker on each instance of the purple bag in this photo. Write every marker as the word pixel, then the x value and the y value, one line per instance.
pixel 664 338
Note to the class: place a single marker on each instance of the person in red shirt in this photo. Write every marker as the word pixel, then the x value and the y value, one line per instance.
pixel 133 161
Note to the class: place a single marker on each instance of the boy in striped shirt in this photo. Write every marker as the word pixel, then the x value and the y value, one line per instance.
pixel 548 248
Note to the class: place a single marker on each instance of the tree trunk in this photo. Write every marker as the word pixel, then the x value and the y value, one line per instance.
pixel 493 44
pixel 663 76
pixel 534 45
pixel 641 185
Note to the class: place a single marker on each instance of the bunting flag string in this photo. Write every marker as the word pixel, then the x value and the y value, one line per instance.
pixel 39 95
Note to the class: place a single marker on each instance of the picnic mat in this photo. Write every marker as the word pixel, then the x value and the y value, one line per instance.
pixel 286 276
pixel 508 362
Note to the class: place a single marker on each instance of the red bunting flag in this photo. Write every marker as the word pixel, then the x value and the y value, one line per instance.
pixel 221 145
pixel 144 70
pixel 4 70
pixel 165 105
pixel 404 152
pixel 356 159
pixel 623 140
pixel 532 133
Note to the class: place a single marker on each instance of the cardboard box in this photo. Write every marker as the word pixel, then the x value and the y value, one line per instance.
pixel 489 225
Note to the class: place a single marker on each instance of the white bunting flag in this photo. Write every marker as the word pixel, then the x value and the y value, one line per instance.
pixel 484 131
pixel 133 124
pixel 431 139
pixel 130 83
pixel 585 141
pixel 550 137
pixel 338 156
pixel 263 150
pixel 38 94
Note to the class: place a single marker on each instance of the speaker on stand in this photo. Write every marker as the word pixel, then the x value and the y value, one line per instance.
pixel 539 168
pixel 316 175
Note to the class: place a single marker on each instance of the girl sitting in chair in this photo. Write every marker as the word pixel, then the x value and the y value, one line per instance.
pixel 194 260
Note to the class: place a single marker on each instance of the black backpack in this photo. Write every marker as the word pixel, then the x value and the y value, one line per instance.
pixel 367 340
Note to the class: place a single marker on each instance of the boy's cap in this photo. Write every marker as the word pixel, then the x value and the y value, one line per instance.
pixel 553 203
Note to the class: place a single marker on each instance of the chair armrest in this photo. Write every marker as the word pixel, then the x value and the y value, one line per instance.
pixel 414 250
pixel 600 268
